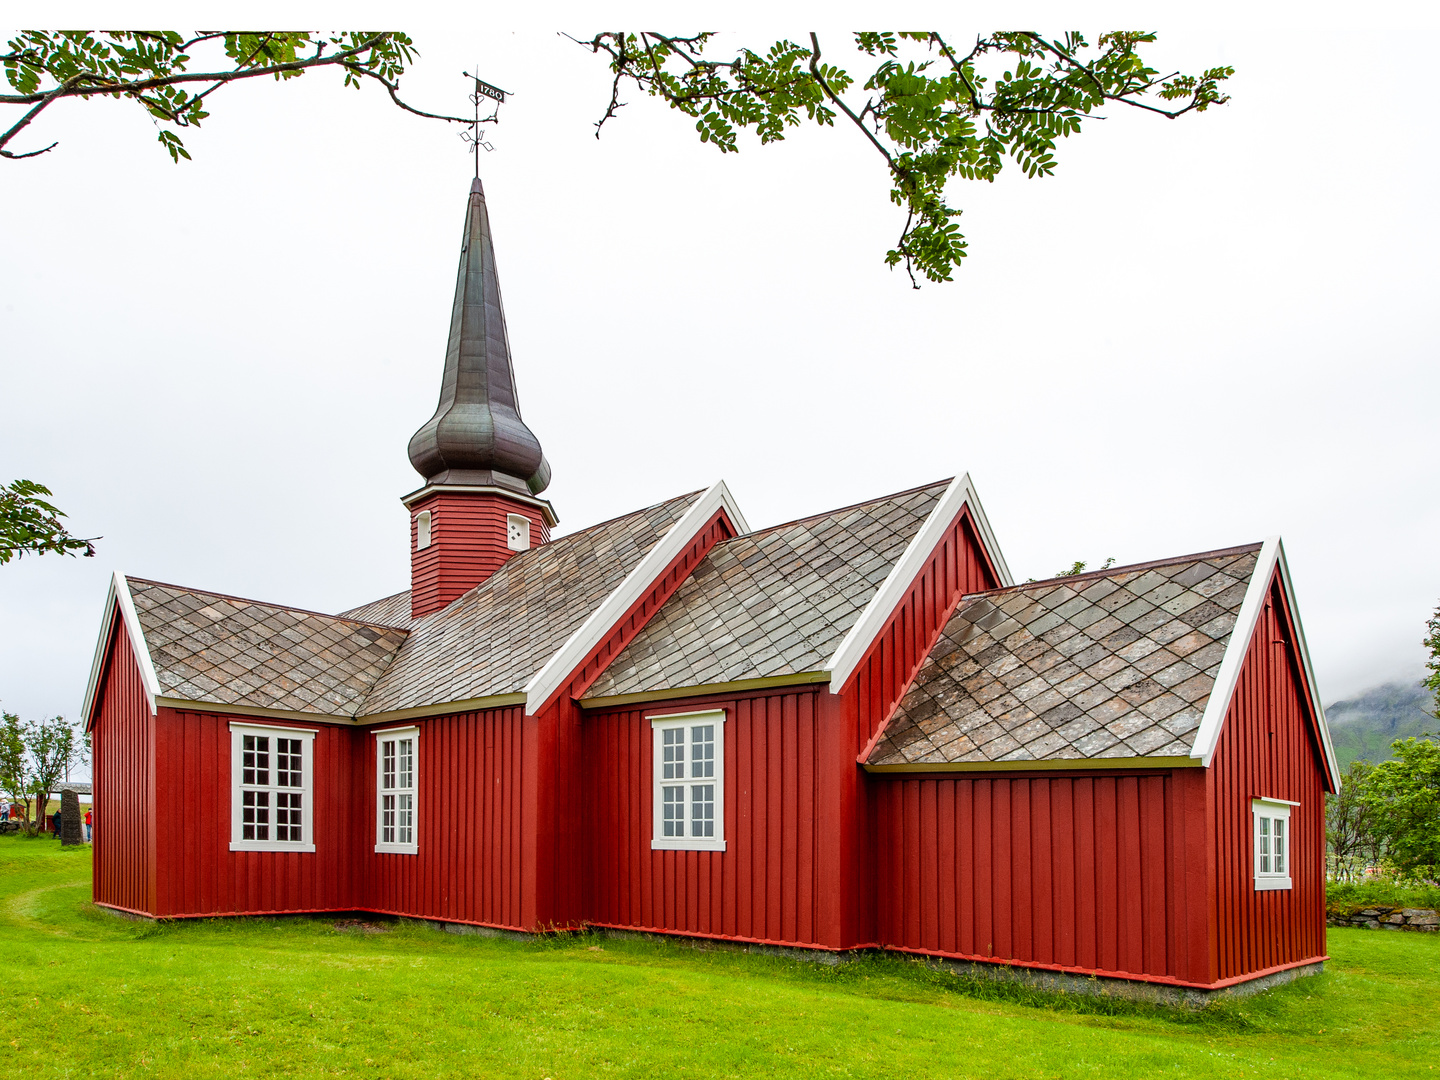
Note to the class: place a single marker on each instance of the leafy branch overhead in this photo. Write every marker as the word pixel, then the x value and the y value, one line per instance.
pixel 931 110
pixel 152 68
pixel 28 523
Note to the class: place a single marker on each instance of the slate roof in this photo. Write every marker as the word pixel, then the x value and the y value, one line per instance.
pixel 210 647
pixel 774 602
pixel 491 640
pixel 1116 664
pixel 390 611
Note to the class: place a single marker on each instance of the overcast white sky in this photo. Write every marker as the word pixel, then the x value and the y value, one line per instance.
pixel 1197 334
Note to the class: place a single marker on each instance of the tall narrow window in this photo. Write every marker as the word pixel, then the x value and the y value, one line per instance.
pixel 397 759
pixel 1272 843
pixel 271 788
pixel 422 530
pixel 689 769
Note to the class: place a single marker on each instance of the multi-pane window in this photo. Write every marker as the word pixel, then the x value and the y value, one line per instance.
pixel 396 769
pixel 271 789
pixel 1272 843
pixel 689 765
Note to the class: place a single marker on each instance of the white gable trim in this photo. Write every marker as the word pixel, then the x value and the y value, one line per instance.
pixel 1270 560
pixel 960 494
pixel 119 597
pixel 583 641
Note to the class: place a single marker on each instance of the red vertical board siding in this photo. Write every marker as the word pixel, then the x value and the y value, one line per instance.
pixel 470 825
pixel 123 773
pixel 468 544
pixel 1060 870
pixel 764 886
pixel 1268 748
pixel 197 873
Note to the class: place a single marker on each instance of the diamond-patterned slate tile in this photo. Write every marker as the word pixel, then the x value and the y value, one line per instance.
pixel 1117 665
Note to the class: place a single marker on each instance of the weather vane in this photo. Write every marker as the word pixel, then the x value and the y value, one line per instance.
pixel 483 91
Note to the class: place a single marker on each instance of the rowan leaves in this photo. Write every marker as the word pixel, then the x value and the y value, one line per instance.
pixel 931 112
pixel 152 68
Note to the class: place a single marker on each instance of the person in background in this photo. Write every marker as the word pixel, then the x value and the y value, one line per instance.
pixel 87 825
pixel 55 823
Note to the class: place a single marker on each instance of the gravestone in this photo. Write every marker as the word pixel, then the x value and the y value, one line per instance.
pixel 70 830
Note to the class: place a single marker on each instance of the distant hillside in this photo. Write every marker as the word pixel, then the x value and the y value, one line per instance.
pixel 1366 725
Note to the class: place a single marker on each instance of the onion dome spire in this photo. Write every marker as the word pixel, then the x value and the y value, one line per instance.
pixel 476 437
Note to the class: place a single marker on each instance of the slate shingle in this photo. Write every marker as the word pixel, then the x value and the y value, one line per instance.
pixel 1127 659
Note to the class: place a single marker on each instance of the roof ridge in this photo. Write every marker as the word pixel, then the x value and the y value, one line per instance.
pixel 1094 575
pixel 377 600
pixel 619 517
pixel 842 509
pixel 267 603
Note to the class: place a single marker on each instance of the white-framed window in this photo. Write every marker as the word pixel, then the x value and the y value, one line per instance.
pixel 517 532
pixel 689 767
pixel 272 788
pixel 1272 842
pixel 397 785
pixel 422 530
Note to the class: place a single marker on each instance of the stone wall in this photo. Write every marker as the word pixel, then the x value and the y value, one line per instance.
pixel 1387 918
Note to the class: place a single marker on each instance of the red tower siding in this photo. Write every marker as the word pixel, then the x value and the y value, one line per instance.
pixel 123 774
pixel 766 885
pixel 1268 748
pixel 1083 872
pixel 467 531
pixel 197 873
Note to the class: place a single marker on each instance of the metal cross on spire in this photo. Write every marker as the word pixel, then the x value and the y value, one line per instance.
pixel 483 92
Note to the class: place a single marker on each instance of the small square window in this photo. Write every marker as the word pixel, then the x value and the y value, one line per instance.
pixel 517 532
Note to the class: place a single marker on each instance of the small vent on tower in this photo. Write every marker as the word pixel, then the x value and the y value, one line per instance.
pixel 517 532
pixel 422 530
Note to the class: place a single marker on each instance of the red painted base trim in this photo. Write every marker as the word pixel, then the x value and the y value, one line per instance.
pixel 126 910
pixel 1164 980
pixel 724 937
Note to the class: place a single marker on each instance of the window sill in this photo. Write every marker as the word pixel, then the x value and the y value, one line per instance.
pixel 397 849
pixel 268 845
pixel 687 845
pixel 1268 884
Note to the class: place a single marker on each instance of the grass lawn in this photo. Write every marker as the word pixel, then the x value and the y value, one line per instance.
pixel 88 995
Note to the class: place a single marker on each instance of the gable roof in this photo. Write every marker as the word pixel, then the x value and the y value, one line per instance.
pixel 491 640
pixel 773 602
pixel 224 650
pixel 1112 664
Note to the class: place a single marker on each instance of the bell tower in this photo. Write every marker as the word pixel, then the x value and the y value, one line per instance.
pixel 483 467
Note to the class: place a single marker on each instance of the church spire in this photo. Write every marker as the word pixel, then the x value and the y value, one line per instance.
pixel 476 437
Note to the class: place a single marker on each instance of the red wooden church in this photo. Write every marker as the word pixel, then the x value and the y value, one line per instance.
pixel 848 731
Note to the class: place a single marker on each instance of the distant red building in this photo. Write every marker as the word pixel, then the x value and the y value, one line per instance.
pixel 848 731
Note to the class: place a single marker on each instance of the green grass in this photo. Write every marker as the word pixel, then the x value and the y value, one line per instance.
pixel 88 995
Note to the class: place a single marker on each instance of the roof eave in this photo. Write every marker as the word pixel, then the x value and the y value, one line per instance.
pixel 554 673
pixel 959 496
pixel 1270 563
pixel 118 598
